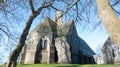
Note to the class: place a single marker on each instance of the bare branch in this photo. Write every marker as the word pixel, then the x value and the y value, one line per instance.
pixel 55 8
pixel 31 5
pixel 67 10
pixel 118 1
pixel 76 12
pixel 44 6
pixel 116 11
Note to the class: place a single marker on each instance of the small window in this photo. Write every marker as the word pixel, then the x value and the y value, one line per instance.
pixel 45 45
pixel 113 53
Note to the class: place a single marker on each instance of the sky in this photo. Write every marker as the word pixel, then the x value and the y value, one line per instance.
pixel 94 38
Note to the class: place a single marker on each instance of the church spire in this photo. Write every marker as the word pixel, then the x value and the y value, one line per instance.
pixel 59 21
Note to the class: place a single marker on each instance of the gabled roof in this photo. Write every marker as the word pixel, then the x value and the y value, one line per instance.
pixel 85 46
pixel 44 26
pixel 47 25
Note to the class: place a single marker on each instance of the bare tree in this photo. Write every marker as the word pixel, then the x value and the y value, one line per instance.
pixel 109 19
pixel 73 9
pixel 78 10
pixel 8 19
pixel 13 58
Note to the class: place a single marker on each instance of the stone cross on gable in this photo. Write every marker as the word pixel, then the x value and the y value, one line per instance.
pixel 59 21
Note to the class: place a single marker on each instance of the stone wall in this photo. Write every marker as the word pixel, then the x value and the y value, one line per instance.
pixel 45 57
pixel 98 59
pixel 111 53
pixel 31 44
pixel 63 50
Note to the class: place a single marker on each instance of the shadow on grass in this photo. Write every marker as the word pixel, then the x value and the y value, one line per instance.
pixel 72 65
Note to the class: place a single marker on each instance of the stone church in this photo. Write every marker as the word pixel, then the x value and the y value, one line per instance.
pixel 111 52
pixel 56 42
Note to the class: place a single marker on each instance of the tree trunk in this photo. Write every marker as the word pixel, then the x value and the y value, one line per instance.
pixel 109 19
pixel 13 58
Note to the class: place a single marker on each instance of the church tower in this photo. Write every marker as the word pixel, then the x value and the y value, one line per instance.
pixel 59 20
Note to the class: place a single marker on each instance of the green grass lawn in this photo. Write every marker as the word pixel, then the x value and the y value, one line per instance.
pixel 67 65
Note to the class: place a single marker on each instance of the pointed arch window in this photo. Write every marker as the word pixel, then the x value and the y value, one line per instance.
pixel 45 45
pixel 39 44
pixel 113 55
